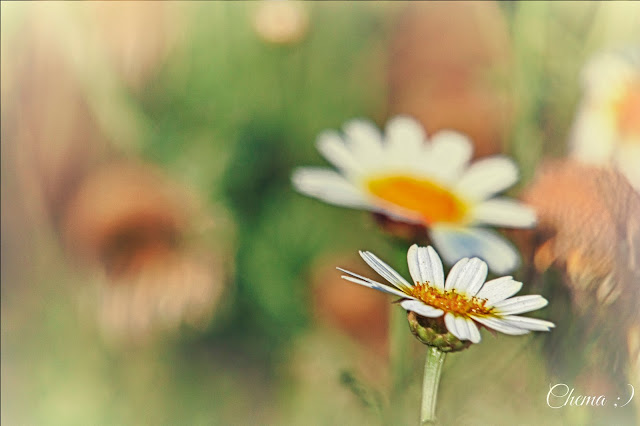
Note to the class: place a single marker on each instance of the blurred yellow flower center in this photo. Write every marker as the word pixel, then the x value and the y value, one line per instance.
pixel 451 301
pixel 628 110
pixel 428 201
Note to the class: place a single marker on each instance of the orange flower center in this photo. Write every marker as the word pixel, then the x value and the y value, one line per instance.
pixel 628 111
pixel 421 198
pixel 451 301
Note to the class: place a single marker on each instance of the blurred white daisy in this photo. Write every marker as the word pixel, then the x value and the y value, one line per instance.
pixel 606 130
pixel 464 299
pixel 423 182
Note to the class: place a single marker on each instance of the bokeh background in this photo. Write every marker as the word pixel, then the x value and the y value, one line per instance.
pixel 159 269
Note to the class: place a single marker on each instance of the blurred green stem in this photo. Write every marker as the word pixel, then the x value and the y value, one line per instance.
pixel 398 333
pixel 432 369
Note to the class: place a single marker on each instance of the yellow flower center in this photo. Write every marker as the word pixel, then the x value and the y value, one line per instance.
pixel 451 301
pixel 425 200
pixel 627 110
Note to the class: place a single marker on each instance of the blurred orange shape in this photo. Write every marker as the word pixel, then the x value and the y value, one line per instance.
pixel 589 225
pixel 139 232
pixel 592 216
pixel 449 67
pixel 280 22
pixel 333 303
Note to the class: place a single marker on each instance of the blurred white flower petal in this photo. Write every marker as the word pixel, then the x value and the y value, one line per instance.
pixel 606 130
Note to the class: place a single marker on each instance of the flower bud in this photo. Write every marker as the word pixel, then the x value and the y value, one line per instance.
pixel 433 332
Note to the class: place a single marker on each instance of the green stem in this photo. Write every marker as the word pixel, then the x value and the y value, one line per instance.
pixel 432 369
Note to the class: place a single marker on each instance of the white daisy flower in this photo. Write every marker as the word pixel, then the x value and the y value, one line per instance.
pixel 464 298
pixel 431 184
pixel 606 130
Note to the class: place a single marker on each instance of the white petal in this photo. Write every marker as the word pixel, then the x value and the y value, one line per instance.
pixel 431 266
pixel 425 265
pixel 364 139
pixel 474 333
pixel 414 267
pixel 487 177
pixel 333 148
pixel 449 154
pixel 471 277
pixel 500 325
pixel 385 271
pixel 455 243
pixel 421 309
pixel 359 279
pixel 592 137
pixel 462 328
pixel 520 304
pixel 455 272
pixel 404 135
pixel 499 289
pixel 328 186
pixel 504 212
pixel 452 326
pixel 528 323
